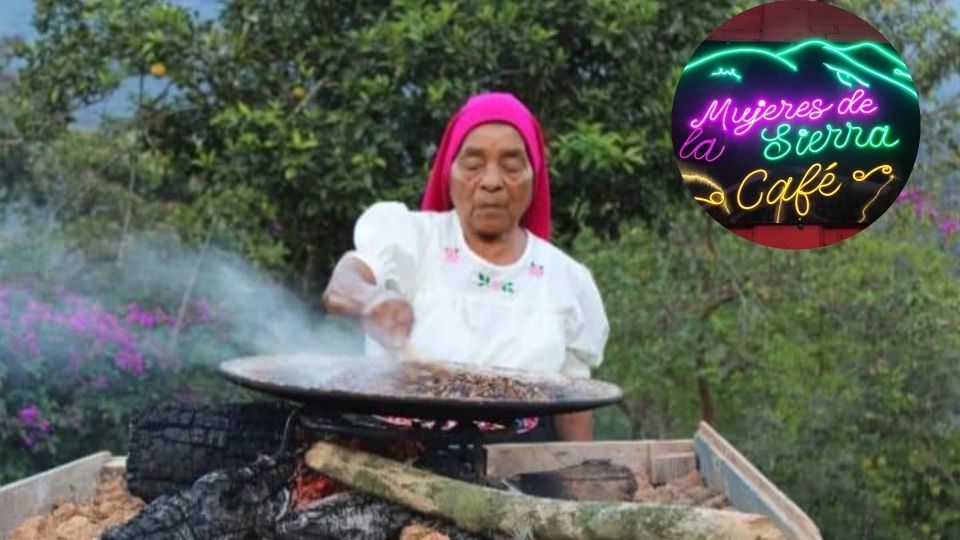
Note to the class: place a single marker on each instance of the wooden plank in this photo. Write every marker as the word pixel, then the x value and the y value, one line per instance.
pixel 670 447
pixel 508 459
pixel 38 494
pixel 670 466
pixel 116 464
pixel 504 460
pixel 726 470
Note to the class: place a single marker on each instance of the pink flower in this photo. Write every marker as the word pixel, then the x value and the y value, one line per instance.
pixel 129 361
pixel 911 195
pixel 536 270
pixel 495 283
pixel 949 227
pixel 35 312
pixel 451 255
pixel 29 414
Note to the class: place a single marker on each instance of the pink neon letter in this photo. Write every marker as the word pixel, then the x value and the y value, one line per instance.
pixel 696 153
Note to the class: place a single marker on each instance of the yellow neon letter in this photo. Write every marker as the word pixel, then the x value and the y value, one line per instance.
pixel 743 182
pixel 827 181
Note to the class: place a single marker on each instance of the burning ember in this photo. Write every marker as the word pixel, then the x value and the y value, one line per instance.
pixel 310 486
pixel 307 486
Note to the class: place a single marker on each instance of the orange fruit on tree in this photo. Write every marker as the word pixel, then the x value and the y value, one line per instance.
pixel 157 69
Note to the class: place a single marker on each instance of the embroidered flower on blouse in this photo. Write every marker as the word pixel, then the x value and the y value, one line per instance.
pixel 451 255
pixel 535 270
pixel 494 284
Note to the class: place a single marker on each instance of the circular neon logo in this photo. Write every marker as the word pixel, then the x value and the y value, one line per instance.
pixel 810 131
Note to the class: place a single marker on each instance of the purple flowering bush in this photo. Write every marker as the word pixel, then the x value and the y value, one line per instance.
pixel 926 211
pixel 72 369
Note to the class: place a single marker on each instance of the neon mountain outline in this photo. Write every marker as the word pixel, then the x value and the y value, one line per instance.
pixel 898 71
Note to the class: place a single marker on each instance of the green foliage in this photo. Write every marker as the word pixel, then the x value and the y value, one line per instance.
pixel 833 370
pixel 927 37
pixel 284 119
pixel 836 371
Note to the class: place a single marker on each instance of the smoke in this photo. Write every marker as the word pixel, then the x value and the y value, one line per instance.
pixel 262 315
pixel 161 303
pixel 93 328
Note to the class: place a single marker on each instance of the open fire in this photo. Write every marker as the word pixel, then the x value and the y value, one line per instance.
pixel 334 469
pixel 276 495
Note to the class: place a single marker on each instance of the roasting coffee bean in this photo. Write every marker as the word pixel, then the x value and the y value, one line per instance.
pixel 425 379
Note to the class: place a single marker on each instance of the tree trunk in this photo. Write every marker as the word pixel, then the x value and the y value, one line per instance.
pixel 479 509
pixel 707 413
pixel 172 446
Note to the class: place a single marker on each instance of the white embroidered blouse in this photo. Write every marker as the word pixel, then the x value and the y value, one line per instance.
pixel 541 313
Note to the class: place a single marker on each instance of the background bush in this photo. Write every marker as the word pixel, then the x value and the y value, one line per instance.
pixel 834 371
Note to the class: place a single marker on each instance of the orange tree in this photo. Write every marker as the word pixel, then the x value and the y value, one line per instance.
pixel 283 119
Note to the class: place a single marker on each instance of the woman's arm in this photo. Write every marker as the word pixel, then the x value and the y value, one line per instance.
pixel 574 426
pixel 353 291
pixel 351 286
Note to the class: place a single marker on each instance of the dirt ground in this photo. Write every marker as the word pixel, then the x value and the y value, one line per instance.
pixel 687 489
pixel 111 505
pixel 421 532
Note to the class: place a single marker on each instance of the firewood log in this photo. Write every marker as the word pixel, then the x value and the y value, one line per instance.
pixel 354 515
pixel 229 504
pixel 478 509
pixel 173 445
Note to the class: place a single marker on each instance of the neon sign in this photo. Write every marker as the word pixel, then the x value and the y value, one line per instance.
pixel 807 132
pixel 845 76
pixel 894 63
pixel 777 145
pixel 816 180
pixel 744 118
pixel 721 72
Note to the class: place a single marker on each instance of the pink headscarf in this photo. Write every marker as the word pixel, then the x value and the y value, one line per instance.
pixel 483 109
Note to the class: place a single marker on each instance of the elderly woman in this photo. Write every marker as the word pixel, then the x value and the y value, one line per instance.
pixel 473 277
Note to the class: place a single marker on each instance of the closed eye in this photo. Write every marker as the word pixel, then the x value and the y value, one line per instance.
pixel 472 165
pixel 513 165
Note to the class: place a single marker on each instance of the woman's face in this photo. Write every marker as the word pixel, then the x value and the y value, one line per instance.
pixel 491 181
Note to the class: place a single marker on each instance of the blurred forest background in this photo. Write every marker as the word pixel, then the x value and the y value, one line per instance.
pixel 265 129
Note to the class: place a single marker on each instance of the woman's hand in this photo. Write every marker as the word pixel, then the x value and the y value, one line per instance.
pixel 353 291
pixel 388 318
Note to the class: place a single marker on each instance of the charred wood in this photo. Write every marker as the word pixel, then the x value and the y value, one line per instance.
pixel 229 504
pixel 172 446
